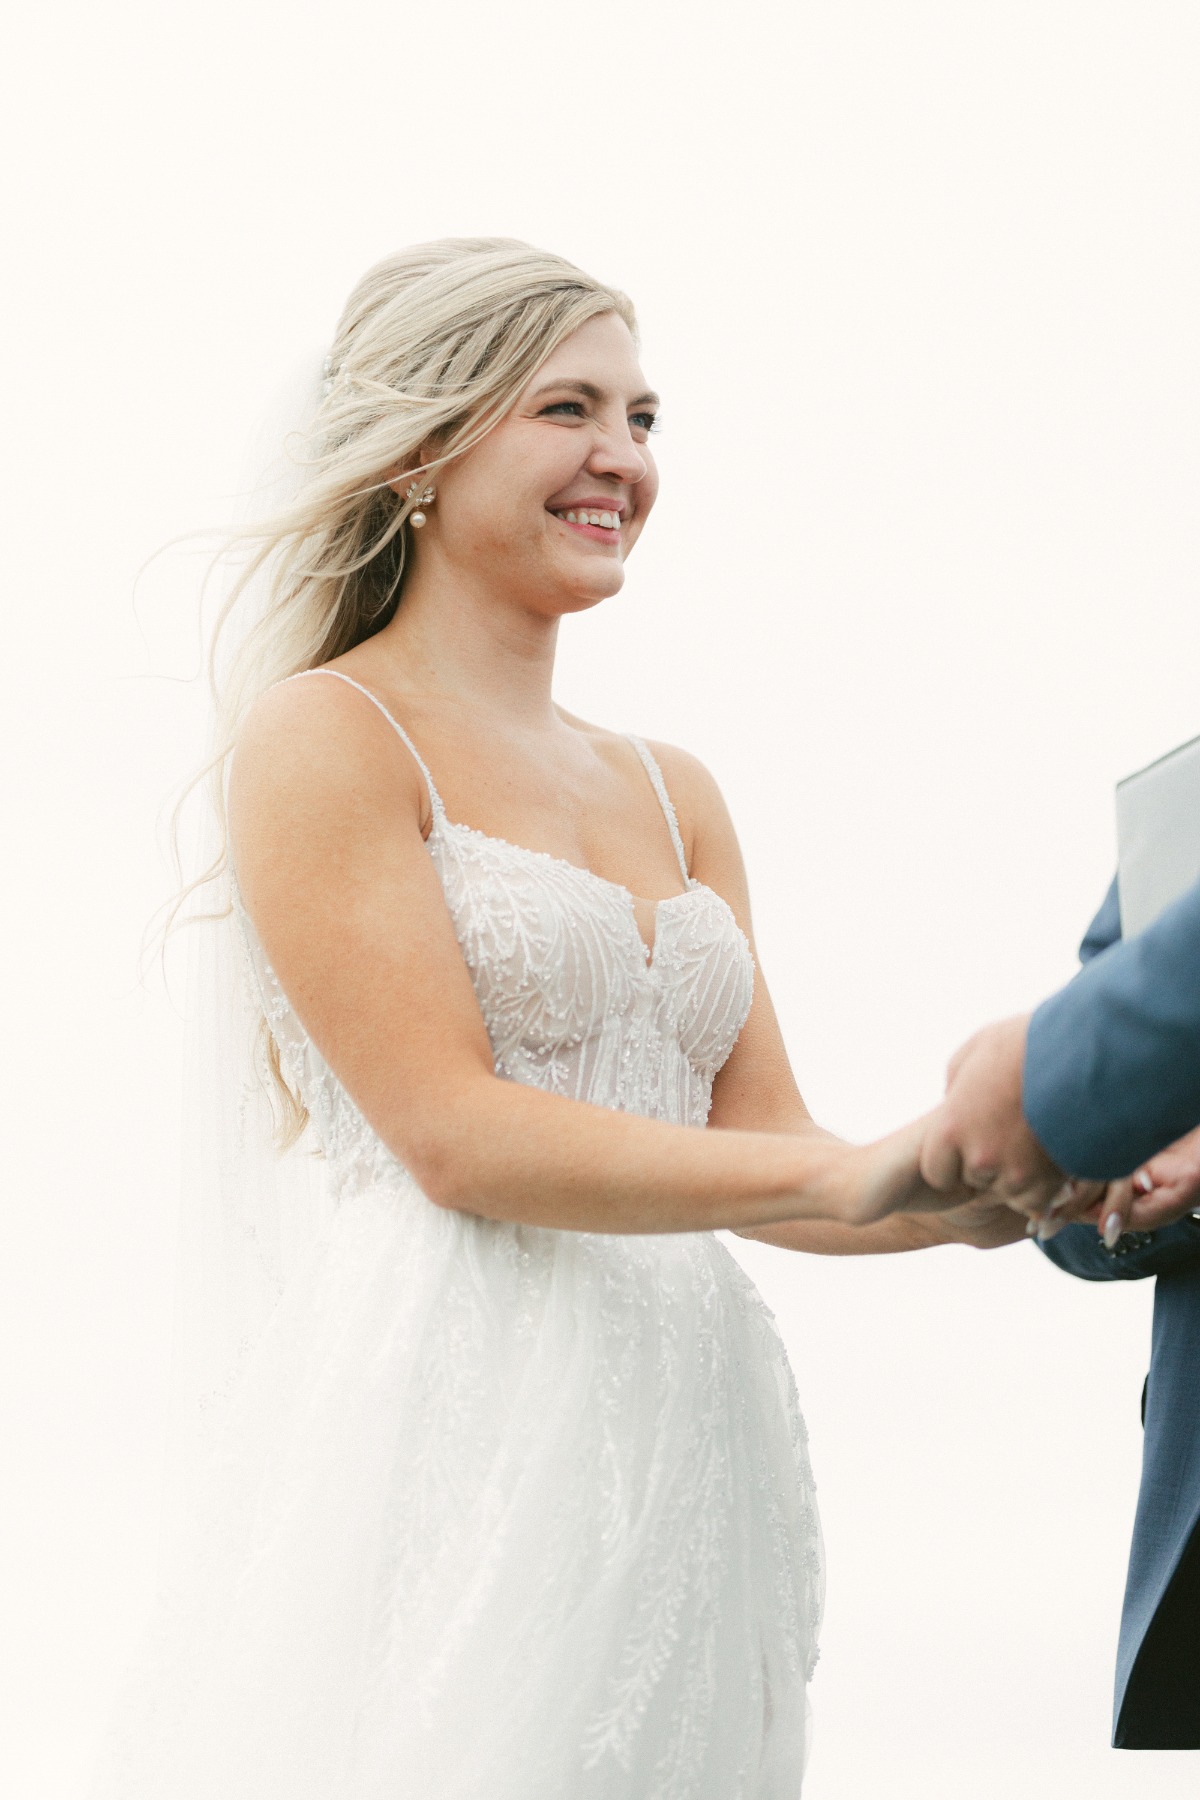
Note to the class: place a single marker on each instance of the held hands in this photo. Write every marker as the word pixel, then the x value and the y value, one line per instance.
pixel 885 1179
pixel 979 1138
pixel 975 1160
pixel 1163 1191
pixel 975 1146
pixel 984 1222
pixel 1167 1188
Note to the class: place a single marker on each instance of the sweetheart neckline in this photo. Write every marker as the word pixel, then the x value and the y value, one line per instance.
pixel 443 822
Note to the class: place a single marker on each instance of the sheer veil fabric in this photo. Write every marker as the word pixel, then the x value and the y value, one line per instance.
pixel 248 1213
pixel 477 1509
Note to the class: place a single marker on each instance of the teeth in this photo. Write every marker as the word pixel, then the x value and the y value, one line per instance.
pixel 608 521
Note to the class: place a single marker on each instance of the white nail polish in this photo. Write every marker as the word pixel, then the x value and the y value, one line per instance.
pixel 1112 1231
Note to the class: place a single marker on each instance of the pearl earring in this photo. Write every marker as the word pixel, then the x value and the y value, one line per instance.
pixel 424 496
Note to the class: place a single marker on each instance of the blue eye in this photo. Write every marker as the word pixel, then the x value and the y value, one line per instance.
pixel 576 409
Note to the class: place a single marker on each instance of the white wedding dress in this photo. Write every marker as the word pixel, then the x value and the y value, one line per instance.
pixel 501 1512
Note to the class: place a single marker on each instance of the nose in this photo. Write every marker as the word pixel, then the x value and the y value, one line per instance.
pixel 617 454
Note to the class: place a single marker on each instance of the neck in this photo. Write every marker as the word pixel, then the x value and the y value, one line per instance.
pixel 453 638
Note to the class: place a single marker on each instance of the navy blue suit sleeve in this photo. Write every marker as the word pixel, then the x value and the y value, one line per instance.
pixel 1080 1251
pixel 1112 1063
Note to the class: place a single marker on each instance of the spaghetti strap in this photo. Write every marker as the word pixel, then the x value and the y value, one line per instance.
pixel 664 800
pixel 435 799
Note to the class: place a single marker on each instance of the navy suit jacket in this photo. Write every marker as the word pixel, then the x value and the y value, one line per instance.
pixel 1112 1062
pixel 1129 1039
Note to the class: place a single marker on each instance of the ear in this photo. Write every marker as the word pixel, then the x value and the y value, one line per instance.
pixel 403 480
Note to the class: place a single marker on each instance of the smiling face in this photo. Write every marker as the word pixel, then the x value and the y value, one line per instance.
pixel 546 508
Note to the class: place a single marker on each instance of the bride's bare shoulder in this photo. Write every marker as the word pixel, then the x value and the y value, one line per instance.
pixel 311 744
pixel 678 766
pixel 709 838
pixel 685 775
pixel 704 822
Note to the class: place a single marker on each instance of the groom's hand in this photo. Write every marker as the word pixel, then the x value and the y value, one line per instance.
pixel 979 1138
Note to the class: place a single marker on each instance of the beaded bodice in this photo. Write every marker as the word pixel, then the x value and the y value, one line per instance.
pixel 572 999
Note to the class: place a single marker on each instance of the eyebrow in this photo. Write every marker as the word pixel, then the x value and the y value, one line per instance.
pixel 590 391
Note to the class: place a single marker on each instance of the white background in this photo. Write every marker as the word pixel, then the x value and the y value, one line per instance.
pixel 919 283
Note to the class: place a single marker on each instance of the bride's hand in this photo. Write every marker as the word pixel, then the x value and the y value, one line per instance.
pixel 885 1177
pixel 983 1222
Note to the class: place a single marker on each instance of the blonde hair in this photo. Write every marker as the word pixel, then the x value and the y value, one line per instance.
pixel 432 350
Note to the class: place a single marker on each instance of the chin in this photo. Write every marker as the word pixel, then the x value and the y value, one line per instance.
pixel 583 584
pixel 601 584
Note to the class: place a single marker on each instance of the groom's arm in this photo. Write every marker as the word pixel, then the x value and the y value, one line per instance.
pixel 1106 1073
pixel 1112 1061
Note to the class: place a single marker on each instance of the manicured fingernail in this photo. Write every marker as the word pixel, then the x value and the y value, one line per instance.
pixel 1112 1231
pixel 1031 1227
pixel 1049 1228
pixel 1144 1182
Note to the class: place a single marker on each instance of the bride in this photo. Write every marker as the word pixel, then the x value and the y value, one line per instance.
pixel 510 1499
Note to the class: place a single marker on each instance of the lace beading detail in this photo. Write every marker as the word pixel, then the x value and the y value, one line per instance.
pixel 571 1001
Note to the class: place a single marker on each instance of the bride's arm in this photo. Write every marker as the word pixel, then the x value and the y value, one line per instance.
pixel 756 1090
pixel 325 812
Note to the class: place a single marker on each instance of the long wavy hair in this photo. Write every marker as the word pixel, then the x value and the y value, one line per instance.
pixel 433 348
